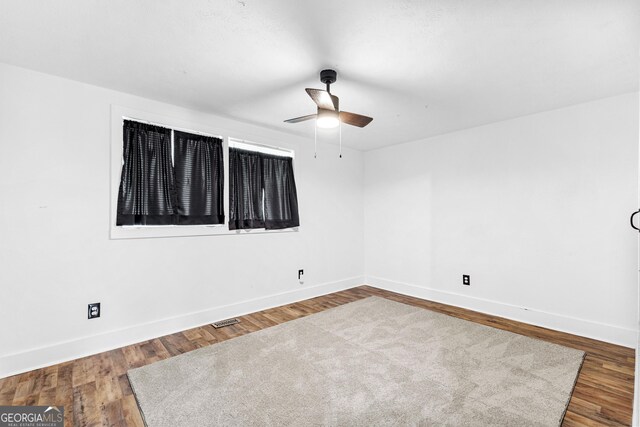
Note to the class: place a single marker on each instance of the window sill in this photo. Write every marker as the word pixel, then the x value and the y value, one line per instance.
pixel 151 232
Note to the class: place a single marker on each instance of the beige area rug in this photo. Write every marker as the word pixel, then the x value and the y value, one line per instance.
pixel 370 362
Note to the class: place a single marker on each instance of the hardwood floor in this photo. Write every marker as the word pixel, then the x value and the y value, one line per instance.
pixel 95 390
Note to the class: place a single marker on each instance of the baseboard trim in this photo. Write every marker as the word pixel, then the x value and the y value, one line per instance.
pixel 582 327
pixel 36 358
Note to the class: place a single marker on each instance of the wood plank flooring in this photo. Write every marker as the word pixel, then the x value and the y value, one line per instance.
pixel 95 390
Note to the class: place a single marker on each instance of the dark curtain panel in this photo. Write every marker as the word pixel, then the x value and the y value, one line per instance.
pixel 199 173
pixel 147 194
pixel 280 196
pixel 245 190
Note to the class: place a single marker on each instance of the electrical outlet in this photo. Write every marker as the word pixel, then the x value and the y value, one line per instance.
pixel 94 310
pixel 300 274
pixel 466 280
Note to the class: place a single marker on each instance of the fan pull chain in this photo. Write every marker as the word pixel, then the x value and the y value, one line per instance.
pixel 315 142
pixel 340 130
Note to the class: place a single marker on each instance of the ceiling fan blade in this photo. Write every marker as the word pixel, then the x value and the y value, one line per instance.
pixel 336 102
pixel 354 119
pixel 301 119
pixel 323 99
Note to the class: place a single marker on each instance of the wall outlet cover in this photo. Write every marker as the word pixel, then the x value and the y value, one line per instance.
pixel 94 310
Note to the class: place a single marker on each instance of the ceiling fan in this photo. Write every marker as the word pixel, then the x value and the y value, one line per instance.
pixel 329 114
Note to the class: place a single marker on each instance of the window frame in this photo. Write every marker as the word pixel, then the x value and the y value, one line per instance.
pixel 270 150
pixel 118 115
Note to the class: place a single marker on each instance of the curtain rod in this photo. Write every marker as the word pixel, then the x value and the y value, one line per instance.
pixel 272 147
pixel 171 127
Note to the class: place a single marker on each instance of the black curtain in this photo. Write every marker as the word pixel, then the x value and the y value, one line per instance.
pixel 147 194
pixel 280 195
pixel 262 191
pixel 199 174
pixel 245 190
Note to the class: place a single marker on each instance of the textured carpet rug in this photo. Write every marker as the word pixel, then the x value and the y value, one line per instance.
pixel 370 362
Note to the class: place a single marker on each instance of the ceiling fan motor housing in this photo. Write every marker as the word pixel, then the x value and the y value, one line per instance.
pixel 328 76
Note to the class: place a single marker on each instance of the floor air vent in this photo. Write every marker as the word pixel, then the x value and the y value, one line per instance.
pixel 223 323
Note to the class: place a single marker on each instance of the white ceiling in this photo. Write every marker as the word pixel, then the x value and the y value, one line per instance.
pixel 419 68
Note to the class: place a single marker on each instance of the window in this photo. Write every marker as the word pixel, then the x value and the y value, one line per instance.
pixel 160 186
pixel 169 177
pixel 262 188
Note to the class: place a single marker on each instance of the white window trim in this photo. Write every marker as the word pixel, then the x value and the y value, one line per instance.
pixel 261 148
pixel 118 114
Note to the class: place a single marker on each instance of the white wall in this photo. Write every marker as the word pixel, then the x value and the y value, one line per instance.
pixel 55 251
pixel 636 387
pixel 535 209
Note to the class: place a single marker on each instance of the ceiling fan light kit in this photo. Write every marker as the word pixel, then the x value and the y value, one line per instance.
pixel 327 119
pixel 329 115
